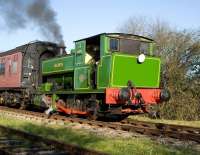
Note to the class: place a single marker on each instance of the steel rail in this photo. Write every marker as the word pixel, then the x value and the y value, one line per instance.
pixel 181 132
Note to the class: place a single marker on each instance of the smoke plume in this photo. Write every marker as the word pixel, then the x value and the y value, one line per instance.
pixel 19 14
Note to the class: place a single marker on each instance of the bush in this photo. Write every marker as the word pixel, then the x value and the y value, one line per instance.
pixel 185 95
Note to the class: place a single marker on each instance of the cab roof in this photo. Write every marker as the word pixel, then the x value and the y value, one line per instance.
pixel 127 35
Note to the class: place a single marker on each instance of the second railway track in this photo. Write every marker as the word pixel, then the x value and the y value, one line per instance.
pixel 146 128
pixel 17 142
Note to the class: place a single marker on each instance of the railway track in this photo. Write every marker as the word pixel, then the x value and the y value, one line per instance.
pixel 17 142
pixel 181 132
pixel 184 133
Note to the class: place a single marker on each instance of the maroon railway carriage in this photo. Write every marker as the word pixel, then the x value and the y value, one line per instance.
pixel 20 70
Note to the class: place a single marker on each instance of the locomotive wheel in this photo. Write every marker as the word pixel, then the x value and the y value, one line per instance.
pixel 93 111
pixel 16 105
pixel 22 106
pixel 93 115
pixel 153 112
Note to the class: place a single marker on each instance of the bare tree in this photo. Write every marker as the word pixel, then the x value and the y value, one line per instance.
pixel 168 39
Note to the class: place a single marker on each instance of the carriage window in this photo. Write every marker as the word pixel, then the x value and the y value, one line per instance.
pixel 14 67
pixel 114 44
pixel 2 68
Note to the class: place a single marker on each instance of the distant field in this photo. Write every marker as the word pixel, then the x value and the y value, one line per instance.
pixel 176 122
pixel 116 146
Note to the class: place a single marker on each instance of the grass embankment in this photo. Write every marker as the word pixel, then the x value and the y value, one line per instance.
pixel 121 146
pixel 175 122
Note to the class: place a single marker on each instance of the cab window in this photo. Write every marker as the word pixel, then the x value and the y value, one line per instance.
pixel 114 44
pixel 144 48
pixel 129 46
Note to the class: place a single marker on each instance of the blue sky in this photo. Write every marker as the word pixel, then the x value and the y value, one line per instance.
pixel 82 18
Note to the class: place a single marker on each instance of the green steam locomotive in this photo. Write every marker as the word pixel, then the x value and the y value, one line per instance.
pixel 106 74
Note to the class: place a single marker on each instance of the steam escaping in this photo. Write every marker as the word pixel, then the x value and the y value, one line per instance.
pixel 18 14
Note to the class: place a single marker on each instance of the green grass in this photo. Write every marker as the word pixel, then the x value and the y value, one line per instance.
pixel 176 122
pixel 116 146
